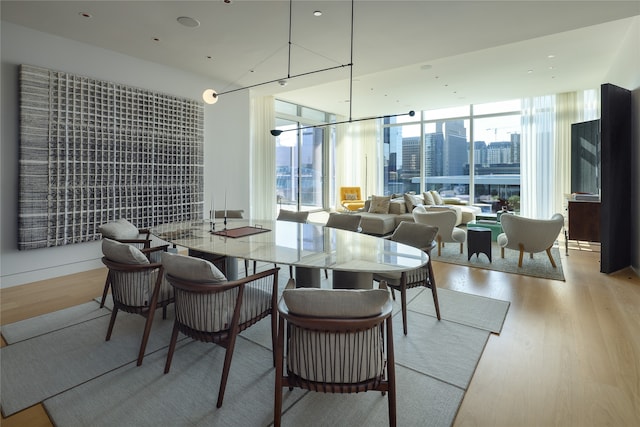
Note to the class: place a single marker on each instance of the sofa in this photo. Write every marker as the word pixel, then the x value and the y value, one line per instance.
pixel 382 214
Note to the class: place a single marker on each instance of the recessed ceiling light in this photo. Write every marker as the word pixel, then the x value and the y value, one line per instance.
pixel 551 56
pixel 156 39
pixel 529 71
pixel 317 13
pixel 188 21
pixel 85 14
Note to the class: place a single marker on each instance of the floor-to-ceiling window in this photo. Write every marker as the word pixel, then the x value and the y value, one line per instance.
pixel 432 151
pixel 303 169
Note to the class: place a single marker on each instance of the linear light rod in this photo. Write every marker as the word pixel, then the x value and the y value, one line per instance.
pixel 278 132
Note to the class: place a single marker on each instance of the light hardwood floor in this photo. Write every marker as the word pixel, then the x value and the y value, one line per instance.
pixel 568 355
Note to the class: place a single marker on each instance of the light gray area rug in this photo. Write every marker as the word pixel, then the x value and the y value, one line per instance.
pixel 186 396
pixel 539 266
pixel 29 328
pixel 83 380
pixel 471 310
pixel 40 367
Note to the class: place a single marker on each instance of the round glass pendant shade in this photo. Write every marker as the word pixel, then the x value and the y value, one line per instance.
pixel 210 96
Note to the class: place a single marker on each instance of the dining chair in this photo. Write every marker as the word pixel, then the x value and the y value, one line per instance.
pixel 419 236
pixel 335 341
pixel 211 309
pixel 343 222
pixel 124 231
pixel 137 285
pixel 291 216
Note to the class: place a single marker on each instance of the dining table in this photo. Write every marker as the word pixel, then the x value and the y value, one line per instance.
pixel 353 257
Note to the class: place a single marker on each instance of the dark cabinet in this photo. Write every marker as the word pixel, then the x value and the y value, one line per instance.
pixel 584 221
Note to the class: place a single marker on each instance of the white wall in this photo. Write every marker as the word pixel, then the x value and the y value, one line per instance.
pixel 226 139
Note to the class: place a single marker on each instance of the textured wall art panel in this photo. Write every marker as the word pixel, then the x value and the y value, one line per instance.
pixel 93 151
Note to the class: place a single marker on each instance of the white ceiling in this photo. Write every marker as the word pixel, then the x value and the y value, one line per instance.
pixel 407 55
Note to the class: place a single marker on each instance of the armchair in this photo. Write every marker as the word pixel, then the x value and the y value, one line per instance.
pixel 529 235
pixel 337 341
pixel 211 309
pixel 123 231
pixel 138 286
pixel 351 198
pixel 445 221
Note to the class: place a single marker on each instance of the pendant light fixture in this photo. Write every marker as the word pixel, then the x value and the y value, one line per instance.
pixel 210 96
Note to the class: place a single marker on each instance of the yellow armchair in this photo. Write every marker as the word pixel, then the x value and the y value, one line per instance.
pixel 351 198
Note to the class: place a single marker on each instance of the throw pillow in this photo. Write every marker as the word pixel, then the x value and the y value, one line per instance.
pixel 336 303
pixel 191 268
pixel 437 198
pixel 411 200
pixel 380 204
pixel 120 229
pixel 122 252
pixel 428 198
pixel 351 196
pixel 397 206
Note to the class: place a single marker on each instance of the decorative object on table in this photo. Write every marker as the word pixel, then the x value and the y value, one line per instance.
pixel 478 242
pixel 337 341
pixel 445 221
pixel 247 230
pixel 211 309
pixel 137 286
pixel 92 166
pixel 529 235
pixel 419 236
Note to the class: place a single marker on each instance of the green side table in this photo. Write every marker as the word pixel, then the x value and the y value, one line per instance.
pixel 493 225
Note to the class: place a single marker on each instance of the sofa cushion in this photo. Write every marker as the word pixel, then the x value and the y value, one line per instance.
pixel 397 206
pixel 380 204
pixel 377 224
pixel 428 198
pixel 436 198
pixel 412 200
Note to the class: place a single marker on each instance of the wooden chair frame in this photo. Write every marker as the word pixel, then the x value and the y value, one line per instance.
pixel 385 383
pixel 225 337
pixel 146 311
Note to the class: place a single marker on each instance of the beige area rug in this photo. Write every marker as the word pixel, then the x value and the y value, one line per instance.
pixel 538 266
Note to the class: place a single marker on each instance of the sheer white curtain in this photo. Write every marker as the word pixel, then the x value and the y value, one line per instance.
pixel 546 149
pixel 263 158
pixel 537 157
pixel 357 156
